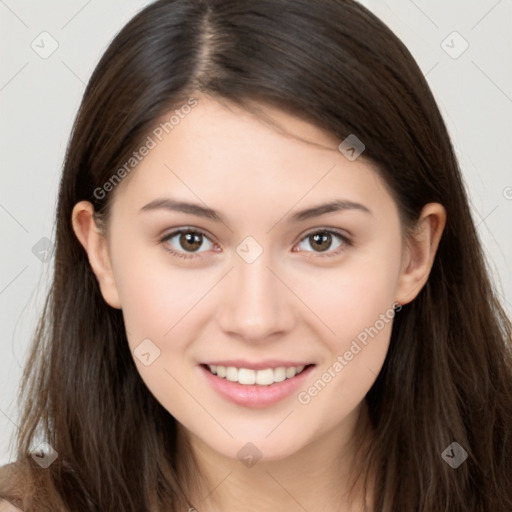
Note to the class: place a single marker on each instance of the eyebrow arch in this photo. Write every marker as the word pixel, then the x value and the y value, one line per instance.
pixel 184 207
pixel 208 213
pixel 332 206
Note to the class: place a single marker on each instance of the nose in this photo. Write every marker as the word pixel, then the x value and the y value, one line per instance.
pixel 256 304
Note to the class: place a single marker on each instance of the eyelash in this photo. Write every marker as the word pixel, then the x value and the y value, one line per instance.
pixel 346 242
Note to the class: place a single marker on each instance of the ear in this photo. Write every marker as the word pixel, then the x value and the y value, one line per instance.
pixel 95 244
pixel 420 251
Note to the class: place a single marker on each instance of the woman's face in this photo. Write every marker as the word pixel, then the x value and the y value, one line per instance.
pixel 263 283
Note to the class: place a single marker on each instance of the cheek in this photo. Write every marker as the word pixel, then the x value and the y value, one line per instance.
pixel 353 296
pixel 163 303
pixel 356 304
pixel 158 305
pixel 154 293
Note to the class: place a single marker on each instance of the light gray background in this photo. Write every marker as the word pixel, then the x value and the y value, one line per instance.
pixel 39 98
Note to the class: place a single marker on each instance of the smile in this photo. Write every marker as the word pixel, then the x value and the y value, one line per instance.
pixel 255 387
pixel 247 376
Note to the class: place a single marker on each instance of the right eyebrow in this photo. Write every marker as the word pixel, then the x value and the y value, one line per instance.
pixel 184 207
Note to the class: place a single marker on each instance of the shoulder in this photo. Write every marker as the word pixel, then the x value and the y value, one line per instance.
pixel 10 473
pixel 6 506
pixel 13 483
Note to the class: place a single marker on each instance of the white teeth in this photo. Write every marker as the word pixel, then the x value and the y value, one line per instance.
pixel 247 376
pixel 280 374
pixel 290 372
pixel 231 373
pixel 265 377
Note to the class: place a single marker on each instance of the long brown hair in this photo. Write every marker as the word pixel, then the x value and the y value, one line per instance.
pixel 448 374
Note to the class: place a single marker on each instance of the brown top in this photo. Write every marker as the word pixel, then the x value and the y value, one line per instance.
pixel 5 506
pixel 12 482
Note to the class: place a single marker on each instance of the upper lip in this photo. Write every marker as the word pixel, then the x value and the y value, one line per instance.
pixel 260 365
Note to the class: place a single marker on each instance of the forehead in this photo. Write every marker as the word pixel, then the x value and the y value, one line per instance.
pixel 220 151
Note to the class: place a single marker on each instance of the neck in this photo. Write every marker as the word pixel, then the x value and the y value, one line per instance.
pixel 326 465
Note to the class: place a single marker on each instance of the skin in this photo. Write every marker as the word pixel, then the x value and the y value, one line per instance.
pixel 292 302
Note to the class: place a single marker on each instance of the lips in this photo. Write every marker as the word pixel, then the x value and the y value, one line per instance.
pixel 255 385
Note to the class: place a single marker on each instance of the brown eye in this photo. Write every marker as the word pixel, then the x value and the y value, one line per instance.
pixel 191 241
pixel 321 241
pixel 185 241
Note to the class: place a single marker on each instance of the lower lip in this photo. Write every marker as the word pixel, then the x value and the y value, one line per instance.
pixel 253 395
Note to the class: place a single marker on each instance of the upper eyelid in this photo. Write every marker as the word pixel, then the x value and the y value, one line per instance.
pixel 336 231
pixel 185 229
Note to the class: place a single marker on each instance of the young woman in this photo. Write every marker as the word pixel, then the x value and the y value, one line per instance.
pixel 267 281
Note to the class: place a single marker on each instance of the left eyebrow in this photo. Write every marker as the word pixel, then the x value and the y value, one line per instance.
pixel 332 206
